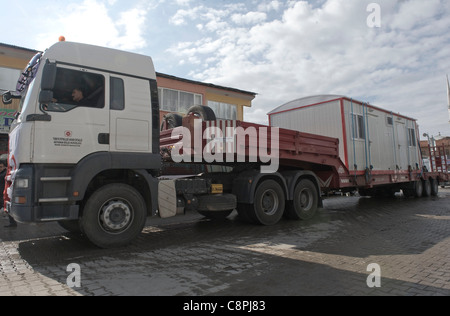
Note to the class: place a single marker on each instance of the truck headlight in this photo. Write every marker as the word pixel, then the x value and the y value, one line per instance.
pixel 21 183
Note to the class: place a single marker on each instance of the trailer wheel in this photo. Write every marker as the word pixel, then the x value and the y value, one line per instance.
pixel 426 188
pixel 417 188
pixel 269 203
pixel 305 203
pixel 113 216
pixel 434 186
pixel 203 112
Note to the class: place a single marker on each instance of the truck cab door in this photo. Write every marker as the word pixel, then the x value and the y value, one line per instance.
pixel 74 128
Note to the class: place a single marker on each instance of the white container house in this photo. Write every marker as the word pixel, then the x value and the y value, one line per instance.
pixel 369 137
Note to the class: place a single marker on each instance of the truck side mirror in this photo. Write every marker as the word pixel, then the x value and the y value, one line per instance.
pixel 45 96
pixel 7 98
pixel 48 76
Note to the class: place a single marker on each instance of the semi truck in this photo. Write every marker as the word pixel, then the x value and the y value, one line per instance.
pixel 96 164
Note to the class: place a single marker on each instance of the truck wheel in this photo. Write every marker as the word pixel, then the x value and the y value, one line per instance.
pixel 426 188
pixel 434 186
pixel 171 120
pixel 305 203
pixel 269 203
pixel 203 112
pixel 113 216
pixel 418 188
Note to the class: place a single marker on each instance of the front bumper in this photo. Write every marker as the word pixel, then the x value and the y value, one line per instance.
pixel 42 213
pixel 33 201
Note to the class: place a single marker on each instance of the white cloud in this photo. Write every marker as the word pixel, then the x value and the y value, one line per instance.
pixel 269 6
pixel 249 18
pixel 183 2
pixel 413 13
pixel 91 22
pixel 182 15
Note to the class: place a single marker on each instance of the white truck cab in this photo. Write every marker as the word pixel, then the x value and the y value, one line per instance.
pixel 89 117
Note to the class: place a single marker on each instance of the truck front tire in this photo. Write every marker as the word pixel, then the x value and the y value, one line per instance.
pixel 113 216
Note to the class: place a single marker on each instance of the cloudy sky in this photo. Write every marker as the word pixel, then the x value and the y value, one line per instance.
pixel 392 53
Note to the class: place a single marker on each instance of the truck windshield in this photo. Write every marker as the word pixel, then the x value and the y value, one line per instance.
pixel 24 100
pixel 29 73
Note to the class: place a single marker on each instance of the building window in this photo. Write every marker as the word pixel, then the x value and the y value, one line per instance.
pixel 178 101
pixel 359 131
pixel 8 78
pixel 223 111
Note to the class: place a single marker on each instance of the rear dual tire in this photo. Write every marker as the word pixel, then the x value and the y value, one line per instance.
pixel 434 186
pixel 305 203
pixel 422 188
pixel 268 204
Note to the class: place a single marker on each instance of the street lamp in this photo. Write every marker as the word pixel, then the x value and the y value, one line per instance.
pixel 431 141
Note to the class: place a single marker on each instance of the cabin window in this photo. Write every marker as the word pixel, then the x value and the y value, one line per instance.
pixel 77 89
pixel 359 131
pixel 117 94
pixel 412 137
pixel 389 121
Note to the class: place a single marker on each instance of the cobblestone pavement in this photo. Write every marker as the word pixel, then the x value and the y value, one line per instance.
pixel 409 240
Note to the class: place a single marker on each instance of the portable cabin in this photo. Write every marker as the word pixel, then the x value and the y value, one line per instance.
pixel 369 136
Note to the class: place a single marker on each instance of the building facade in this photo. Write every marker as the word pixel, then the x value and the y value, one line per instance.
pixel 176 95
pixel 440 141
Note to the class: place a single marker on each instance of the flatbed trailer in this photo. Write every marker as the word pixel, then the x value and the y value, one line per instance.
pixel 303 152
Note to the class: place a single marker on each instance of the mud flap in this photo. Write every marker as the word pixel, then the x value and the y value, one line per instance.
pixel 167 198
